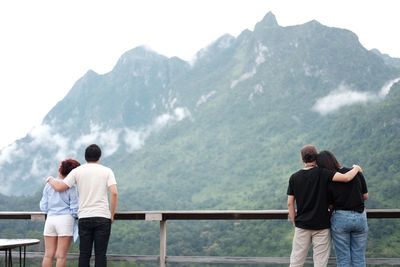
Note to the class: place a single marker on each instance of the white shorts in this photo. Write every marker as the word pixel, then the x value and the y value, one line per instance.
pixel 59 225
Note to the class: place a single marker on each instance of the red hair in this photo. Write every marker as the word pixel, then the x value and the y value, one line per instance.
pixel 67 166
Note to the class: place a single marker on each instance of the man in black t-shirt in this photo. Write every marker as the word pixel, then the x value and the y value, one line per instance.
pixel 308 191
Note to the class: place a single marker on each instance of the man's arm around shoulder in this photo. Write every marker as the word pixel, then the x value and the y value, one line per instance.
pixel 59 186
pixel 348 176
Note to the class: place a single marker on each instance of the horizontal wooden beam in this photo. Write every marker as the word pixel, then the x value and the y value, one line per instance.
pixel 198 215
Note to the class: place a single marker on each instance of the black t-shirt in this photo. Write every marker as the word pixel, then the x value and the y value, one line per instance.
pixel 348 196
pixel 310 189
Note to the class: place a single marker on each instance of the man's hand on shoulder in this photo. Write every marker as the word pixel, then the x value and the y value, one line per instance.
pixel 59 186
pixel 358 168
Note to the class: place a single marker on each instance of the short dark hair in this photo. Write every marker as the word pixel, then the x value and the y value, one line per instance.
pixel 309 153
pixel 327 160
pixel 67 166
pixel 92 153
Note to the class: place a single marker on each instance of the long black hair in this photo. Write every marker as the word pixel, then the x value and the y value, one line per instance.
pixel 326 159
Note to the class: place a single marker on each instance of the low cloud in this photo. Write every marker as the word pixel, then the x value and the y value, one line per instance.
pixel 9 153
pixel 106 138
pixel 47 139
pixel 135 138
pixel 181 113
pixel 386 88
pixel 204 98
pixel 38 168
pixel 47 135
pixel 244 77
pixel 345 95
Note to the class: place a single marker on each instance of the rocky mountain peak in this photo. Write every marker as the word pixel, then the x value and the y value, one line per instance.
pixel 269 21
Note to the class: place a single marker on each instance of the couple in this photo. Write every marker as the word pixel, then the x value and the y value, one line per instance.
pixel 323 182
pixel 88 202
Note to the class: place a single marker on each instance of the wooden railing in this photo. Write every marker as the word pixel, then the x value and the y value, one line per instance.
pixel 164 216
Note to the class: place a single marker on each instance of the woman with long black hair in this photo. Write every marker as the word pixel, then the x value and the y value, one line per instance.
pixel 349 228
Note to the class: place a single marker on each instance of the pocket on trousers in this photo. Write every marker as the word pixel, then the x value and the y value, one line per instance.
pixel 338 224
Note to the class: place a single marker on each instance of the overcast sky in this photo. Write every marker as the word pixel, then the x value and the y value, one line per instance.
pixel 47 45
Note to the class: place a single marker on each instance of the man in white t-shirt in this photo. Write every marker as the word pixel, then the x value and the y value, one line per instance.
pixel 95 214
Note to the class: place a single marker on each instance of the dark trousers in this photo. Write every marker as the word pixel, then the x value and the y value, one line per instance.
pixel 94 230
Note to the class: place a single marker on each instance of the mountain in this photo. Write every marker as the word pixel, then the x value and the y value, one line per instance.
pixel 395 62
pixel 224 132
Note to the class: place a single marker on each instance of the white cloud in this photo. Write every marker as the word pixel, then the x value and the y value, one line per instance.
pixel 204 98
pixel 346 96
pixel 46 136
pixel 10 153
pixel 386 88
pixel 181 113
pixel 107 139
pixel 89 138
pixel 40 134
pixel 343 96
pixel 261 50
pixel 135 139
pixel 161 121
pixel 244 77
pixel 37 167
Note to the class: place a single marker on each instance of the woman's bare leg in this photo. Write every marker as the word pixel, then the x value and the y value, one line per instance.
pixel 50 246
pixel 63 245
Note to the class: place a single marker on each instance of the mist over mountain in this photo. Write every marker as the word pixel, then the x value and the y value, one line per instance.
pixel 218 123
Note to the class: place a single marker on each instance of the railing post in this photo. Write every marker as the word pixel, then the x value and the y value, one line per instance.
pixel 163 243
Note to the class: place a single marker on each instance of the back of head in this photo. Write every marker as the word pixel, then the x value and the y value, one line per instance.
pixel 309 153
pixel 92 153
pixel 327 160
pixel 67 166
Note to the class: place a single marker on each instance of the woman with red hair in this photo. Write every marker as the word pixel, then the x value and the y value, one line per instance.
pixel 61 209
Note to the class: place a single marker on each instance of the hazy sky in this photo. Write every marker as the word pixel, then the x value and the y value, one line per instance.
pixel 47 45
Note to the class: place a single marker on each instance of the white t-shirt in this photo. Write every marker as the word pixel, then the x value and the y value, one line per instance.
pixel 92 181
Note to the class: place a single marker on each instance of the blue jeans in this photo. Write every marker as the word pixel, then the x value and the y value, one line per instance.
pixel 94 230
pixel 349 230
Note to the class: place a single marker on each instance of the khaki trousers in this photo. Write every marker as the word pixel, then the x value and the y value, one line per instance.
pixel 321 241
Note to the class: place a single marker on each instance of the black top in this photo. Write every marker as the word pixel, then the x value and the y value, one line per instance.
pixel 348 196
pixel 310 189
